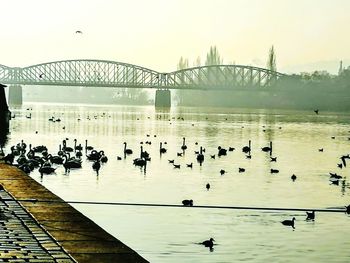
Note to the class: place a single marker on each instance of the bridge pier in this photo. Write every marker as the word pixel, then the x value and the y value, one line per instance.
pixel 15 95
pixel 163 98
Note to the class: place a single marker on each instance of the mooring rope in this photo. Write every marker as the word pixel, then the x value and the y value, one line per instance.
pixel 328 210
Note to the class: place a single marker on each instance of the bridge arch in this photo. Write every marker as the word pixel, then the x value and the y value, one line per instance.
pixel 89 72
pixel 222 77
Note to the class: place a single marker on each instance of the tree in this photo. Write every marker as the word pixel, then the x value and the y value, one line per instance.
pixel 213 57
pixel 271 62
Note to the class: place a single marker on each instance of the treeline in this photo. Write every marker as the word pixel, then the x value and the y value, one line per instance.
pixel 304 91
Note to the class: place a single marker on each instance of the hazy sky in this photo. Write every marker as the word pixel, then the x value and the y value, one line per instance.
pixel 156 33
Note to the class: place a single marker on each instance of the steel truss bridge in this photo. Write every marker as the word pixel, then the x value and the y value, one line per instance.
pixel 104 73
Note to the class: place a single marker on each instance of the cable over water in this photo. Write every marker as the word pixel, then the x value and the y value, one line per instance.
pixel 328 210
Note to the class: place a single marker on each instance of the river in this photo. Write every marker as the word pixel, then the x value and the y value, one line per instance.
pixel 172 234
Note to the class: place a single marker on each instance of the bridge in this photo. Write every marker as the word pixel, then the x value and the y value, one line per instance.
pixel 104 73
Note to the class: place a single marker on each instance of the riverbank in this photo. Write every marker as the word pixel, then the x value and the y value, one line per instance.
pixel 58 225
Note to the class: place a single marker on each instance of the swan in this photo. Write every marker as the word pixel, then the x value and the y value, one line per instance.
pixel 46 169
pixel 200 156
pixel 267 148
pixel 127 151
pixel 183 147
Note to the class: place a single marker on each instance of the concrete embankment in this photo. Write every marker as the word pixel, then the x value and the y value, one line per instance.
pixel 61 228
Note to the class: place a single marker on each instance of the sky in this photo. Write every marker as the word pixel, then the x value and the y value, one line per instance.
pixel 306 34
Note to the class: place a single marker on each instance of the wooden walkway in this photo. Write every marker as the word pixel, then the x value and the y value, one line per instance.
pixel 80 237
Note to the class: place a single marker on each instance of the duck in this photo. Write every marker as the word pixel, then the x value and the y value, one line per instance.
pixel 293 177
pixel 310 215
pixel 161 149
pixel 190 165
pixel 241 170
pixel 289 222
pixel 88 147
pixel 222 151
pixel 222 172
pixel 231 149
pixel 207 186
pixel 187 202
pixel 171 161
pixel 274 171
pixel 246 149
pixel 177 166
pixel 273 159
pixel 208 243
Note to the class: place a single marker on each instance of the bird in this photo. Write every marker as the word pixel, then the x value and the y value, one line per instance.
pixel 267 148
pixel 293 177
pixel 171 161
pixel 79 32
pixel 310 215
pixel 127 151
pixel 208 243
pixel 222 172
pixel 241 170
pixel 246 149
pixel 96 166
pixel 231 149
pixel 183 147
pixel 320 150
pixel 119 158
pixel 207 186
pixel 222 151
pixel 187 202
pixel 289 222
pixel 161 149
pixel 212 156
pixel 190 165
pixel 177 166
pixel 316 111
pixel 273 159
pixel 274 171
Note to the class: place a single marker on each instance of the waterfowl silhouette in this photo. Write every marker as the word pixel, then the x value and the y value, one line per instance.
pixel 46 169
pixel 293 177
pixel 183 147
pixel 267 148
pixel 212 156
pixel 231 149
pixel 200 156
pixel 289 222
pixel 190 165
pixel 222 172
pixel 222 151
pixel 320 150
pixel 207 186
pixel 187 202
pixel 247 149
pixel 241 170
pixel 273 159
pixel 177 166
pixel 140 161
pixel 179 154
pixel 127 151
pixel 171 161
pixel 96 166
pixel 208 243
pixel 310 215
pixel 274 171
pixel 161 149
pixel 119 158
pixel 88 147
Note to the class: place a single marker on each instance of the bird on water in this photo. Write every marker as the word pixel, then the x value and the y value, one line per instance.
pixel 310 215
pixel 208 243
pixel 289 222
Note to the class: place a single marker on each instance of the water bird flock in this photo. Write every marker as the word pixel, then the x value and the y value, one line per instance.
pixel 28 158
